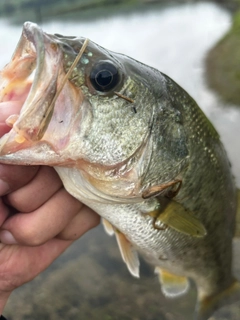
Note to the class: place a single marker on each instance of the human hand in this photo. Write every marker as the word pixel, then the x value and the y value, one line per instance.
pixel 38 219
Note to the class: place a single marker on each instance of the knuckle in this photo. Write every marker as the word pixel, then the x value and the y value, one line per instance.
pixel 32 238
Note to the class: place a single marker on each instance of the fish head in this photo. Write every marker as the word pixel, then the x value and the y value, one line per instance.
pixel 106 116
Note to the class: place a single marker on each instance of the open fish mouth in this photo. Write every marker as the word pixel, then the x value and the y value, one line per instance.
pixel 33 79
pixel 25 79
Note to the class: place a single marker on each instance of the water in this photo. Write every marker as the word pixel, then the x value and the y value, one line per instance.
pixel 175 40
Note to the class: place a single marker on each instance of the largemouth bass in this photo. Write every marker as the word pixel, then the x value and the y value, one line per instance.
pixel 130 143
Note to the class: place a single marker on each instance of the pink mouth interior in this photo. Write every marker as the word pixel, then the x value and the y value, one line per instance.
pixel 15 83
pixel 11 107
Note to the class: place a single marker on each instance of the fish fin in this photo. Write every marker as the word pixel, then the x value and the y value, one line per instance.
pixel 108 227
pixel 128 253
pixel 172 286
pixel 179 218
pixel 209 306
pixel 237 228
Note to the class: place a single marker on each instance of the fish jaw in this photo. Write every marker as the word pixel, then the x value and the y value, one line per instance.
pixel 32 78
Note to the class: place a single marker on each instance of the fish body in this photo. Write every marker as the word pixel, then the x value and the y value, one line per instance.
pixel 130 143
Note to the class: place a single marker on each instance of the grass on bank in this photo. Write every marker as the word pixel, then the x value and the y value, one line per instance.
pixel 223 65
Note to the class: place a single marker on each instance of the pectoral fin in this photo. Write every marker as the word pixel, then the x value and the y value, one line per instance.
pixel 108 227
pixel 176 216
pixel 182 220
pixel 129 254
pixel 172 285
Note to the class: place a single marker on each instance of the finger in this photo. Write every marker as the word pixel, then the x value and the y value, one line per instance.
pixel 4 128
pixel 31 196
pixel 85 220
pixel 30 261
pixel 8 108
pixel 15 177
pixel 12 177
pixel 49 251
pixel 42 224
pixel 4 211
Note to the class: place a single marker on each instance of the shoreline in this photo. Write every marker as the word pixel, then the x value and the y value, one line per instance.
pixel 222 64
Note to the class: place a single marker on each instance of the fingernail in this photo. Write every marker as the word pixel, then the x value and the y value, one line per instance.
pixel 4 187
pixel 7 238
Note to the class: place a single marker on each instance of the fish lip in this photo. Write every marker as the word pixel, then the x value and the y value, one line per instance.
pixel 29 28
pixel 32 33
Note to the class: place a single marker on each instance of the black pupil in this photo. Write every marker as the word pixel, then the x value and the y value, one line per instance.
pixel 104 76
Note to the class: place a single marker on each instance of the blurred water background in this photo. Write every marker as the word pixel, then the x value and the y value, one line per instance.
pixel 90 281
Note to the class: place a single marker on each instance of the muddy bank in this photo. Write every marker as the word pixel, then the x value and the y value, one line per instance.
pixel 223 64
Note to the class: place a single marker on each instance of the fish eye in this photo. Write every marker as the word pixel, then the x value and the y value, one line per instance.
pixel 104 76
